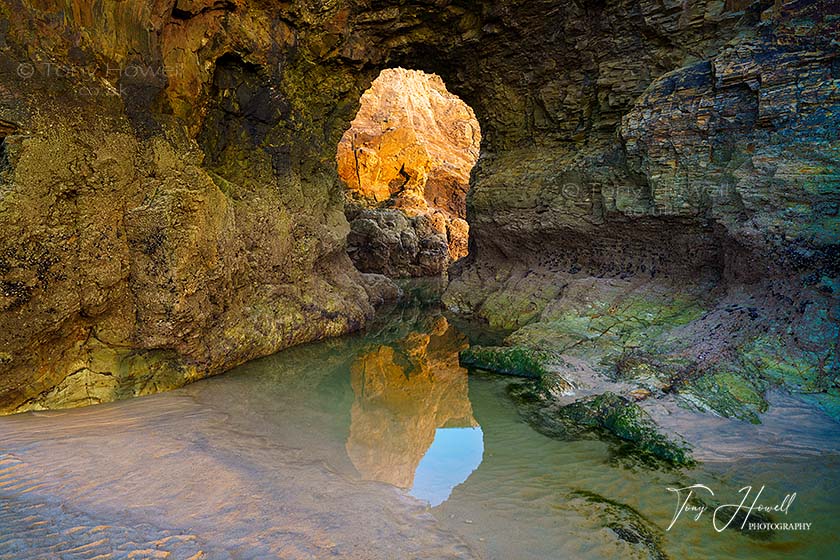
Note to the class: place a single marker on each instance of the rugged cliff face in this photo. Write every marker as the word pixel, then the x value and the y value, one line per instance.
pixel 671 203
pixel 411 142
pixel 409 151
pixel 170 205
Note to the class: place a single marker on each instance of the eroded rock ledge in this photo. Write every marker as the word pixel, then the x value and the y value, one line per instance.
pixel 693 254
pixel 170 206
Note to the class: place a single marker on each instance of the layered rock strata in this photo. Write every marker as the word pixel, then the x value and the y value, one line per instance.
pixel 674 213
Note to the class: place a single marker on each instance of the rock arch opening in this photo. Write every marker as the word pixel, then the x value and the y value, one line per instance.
pixel 405 163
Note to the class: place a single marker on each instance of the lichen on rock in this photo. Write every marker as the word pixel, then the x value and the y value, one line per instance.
pixel 726 393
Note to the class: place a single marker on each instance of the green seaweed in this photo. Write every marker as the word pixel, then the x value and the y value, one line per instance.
pixel 629 422
pixel 517 361
pixel 608 415
pixel 514 360
pixel 626 522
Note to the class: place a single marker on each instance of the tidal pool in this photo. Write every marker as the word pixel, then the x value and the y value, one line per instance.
pixel 372 446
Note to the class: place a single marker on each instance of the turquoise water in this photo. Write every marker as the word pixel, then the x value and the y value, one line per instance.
pixel 376 445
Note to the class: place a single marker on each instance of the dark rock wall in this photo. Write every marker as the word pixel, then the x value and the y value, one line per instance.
pixel 170 207
pixel 671 126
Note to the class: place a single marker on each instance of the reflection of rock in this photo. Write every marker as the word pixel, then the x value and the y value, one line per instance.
pixel 404 392
pixel 411 147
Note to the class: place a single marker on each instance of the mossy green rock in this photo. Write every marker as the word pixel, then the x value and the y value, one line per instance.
pixel 625 420
pixel 800 372
pixel 728 394
pixel 611 325
pixel 518 361
pixel 515 360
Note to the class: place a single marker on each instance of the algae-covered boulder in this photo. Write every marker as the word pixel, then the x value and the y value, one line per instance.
pixel 627 421
pixel 607 414
pixel 519 361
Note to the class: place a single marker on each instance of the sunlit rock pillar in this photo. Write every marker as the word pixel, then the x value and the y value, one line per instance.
pixel 406 162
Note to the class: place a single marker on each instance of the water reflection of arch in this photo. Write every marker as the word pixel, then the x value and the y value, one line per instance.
pixel 404 392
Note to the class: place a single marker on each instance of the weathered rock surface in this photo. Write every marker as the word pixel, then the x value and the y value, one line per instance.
pixel 680 200
pixel 166 214
pixel 411 141
pixel 396 245
pixel 411 147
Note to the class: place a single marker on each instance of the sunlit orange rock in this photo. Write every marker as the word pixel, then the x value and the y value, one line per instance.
pixel 404 392
pixel 411 147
